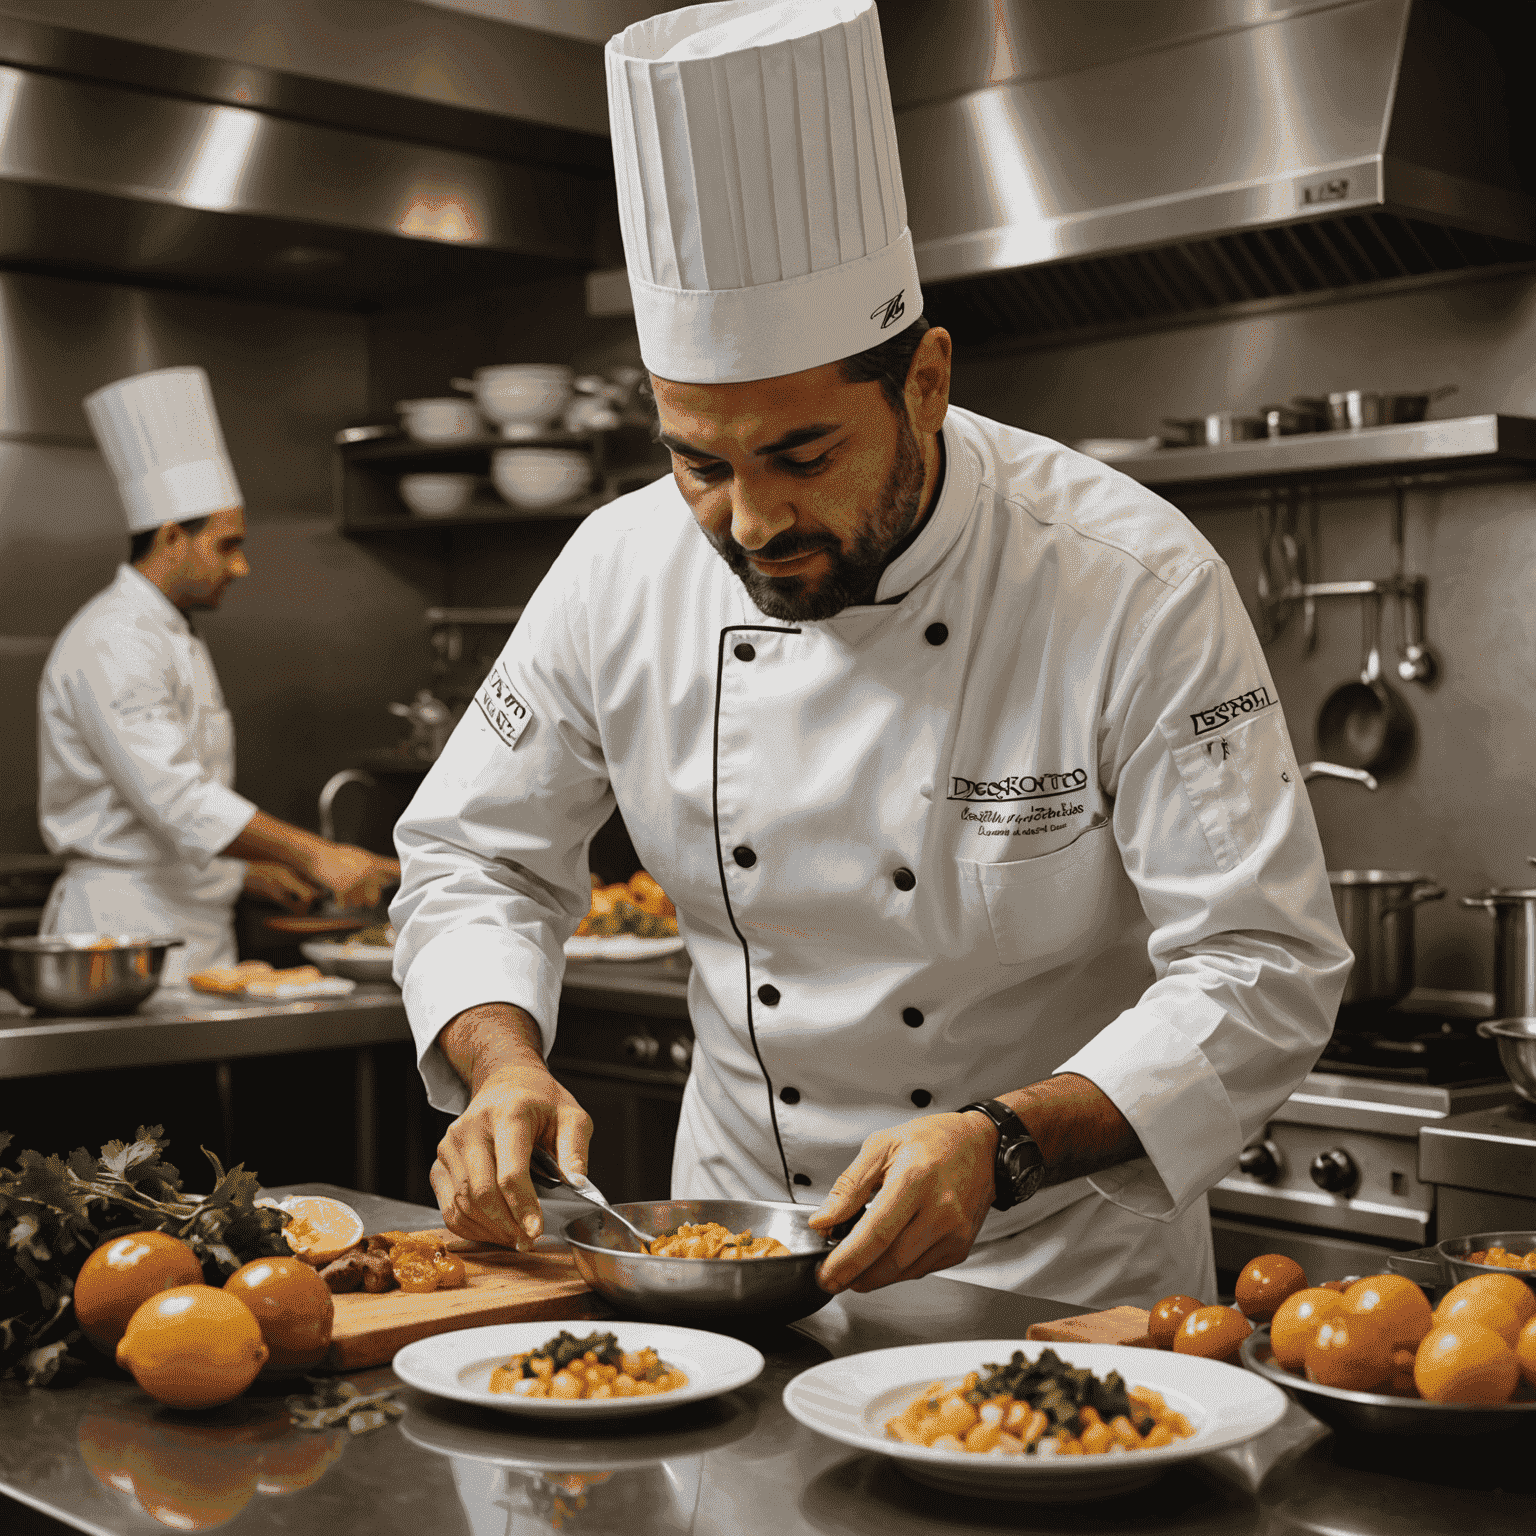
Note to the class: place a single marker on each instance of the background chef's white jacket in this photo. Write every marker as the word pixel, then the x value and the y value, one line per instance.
pixel 1056 717
pixel 135 766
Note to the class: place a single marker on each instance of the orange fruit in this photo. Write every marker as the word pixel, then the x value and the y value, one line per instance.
pixel 1349 1350
pixel 1265 1282
pixel 1296 1322
pixel 321 1228
pixel 1396 1303
pixel 193 1347
pixel 291 1304
pixel 1464 1362
pixel 1166 1315
pixel 1216 1333
pixel 124 1273
pixel 1495 1301
pixel 1525 1352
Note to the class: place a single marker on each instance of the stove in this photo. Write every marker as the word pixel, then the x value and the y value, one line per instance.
pixel 1335 1180
pixel 1483 1164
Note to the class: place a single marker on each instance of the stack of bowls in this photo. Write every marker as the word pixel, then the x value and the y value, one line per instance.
pixel 536 479
pixel 524 399
pixel 445 419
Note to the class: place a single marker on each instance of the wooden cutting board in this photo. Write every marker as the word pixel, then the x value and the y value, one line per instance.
pixel 504 1287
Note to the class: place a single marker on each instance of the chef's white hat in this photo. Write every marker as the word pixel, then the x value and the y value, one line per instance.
pixel 760 192
pixel 160 436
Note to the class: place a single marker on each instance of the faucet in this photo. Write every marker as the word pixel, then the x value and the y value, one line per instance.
pixel 333 787
pixel 1336 771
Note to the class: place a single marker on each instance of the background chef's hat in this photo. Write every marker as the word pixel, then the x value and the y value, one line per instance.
pixel 764 222
pixel 160 436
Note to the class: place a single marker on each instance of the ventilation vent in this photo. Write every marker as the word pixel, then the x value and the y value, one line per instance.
pixel 1141 288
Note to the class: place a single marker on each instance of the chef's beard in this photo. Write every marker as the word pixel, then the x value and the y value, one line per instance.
pixel 853 574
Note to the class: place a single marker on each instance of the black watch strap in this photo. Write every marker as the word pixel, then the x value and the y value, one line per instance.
pixel 1020 1166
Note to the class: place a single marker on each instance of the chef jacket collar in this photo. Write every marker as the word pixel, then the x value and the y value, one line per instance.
pixel 937 535
pixel 137 589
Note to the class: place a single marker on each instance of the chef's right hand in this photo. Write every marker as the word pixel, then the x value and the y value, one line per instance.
pixel 480 1177
pixel 354 876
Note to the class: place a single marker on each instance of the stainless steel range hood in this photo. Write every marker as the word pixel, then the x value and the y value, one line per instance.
pixel 363 174
pixel 1080 167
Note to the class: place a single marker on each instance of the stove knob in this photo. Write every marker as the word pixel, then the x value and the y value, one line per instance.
pixel 1261 1161
pixel 1334 1171
pixel 642 1048
pixel 681 1052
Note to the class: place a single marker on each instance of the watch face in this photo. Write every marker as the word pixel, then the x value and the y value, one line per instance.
pixel 1024 1167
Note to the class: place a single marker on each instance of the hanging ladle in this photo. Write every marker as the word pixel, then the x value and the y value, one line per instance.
pixel 1364 724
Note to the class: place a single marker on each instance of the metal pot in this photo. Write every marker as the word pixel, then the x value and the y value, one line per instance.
pixel 1514 949
pixel 1375 908
pixel 1351 409
pixel 1446 1263
pixel 83 974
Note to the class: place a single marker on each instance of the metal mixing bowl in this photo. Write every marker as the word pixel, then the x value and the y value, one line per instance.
pixel 83 973
pixel 730 1294
pixel 1517 1051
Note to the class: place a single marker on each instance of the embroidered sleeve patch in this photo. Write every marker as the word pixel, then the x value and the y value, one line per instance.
pixel 1231 710
pixel 506 713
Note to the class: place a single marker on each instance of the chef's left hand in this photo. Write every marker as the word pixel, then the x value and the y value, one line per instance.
pixel 281 886
pixel 928 1186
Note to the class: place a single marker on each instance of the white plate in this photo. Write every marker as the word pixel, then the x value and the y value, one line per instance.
pixel 359 962
pixel 620 946
pixel 850 1399
pixel 459 1365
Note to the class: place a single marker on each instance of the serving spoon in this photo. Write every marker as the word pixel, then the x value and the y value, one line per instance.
pixel 545 1173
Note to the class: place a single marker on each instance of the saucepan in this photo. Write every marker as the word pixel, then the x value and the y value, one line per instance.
pixel 1363 724
pixel 1514 948
pixel 1375 908
pixel 729 1294
pixel 1351 409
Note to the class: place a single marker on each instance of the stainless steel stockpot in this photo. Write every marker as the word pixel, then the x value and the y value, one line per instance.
pixel 1375 908
pixel 1514 949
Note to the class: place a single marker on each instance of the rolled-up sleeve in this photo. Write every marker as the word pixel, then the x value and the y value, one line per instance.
pixel 493 848
pixel 125 705
pixel 1216 831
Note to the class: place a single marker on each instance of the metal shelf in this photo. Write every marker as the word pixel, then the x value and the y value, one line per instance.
pixel 1466 442
pixel 501 515
pixel 393 449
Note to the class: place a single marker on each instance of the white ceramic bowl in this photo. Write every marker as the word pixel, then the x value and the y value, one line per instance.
pixel 436 495
pixel 523 399
pixel 440 420
pixel 536 478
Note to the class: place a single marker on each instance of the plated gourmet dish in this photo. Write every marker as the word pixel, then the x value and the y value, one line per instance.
pixel 569 1369
pixel 1040 1407
pixel 637 906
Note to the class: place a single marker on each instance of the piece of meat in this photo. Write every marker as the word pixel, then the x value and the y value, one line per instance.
pixel 378 1272
pixel 346 1273
pixel 1120 1325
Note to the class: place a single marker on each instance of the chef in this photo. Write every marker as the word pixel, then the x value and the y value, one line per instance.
pixel 136 751
pixel 955 750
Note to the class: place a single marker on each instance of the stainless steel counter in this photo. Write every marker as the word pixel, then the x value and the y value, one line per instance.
pixel 95 1454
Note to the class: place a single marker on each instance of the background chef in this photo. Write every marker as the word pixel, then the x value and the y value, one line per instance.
pixel 993 893
pixel 136 749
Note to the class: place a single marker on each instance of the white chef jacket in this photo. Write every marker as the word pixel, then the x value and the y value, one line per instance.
pixel 136 763
pixel 1033 811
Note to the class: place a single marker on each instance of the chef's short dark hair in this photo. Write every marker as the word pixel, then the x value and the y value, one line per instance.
pixel 888 364
pixel 140 543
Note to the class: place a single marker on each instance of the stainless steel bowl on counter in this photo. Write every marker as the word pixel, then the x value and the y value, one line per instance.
pixel 1446 1263
pixel 1516 1039
pixel 83 974
pixel 1379 1413
pixel 729 1294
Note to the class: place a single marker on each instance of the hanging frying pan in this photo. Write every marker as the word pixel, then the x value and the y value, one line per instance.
pixel 1364 724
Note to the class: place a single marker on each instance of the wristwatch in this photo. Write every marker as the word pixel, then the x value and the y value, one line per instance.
pixel 1020 1167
